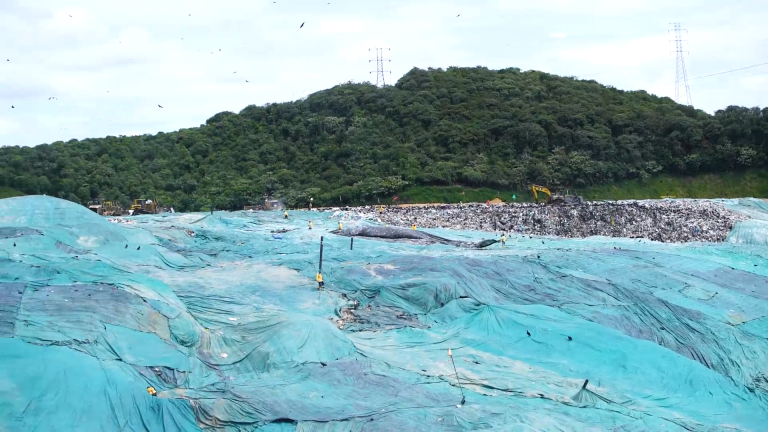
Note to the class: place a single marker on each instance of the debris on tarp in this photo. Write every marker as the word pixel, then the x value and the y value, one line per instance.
pixel 672 221
pixel 396 233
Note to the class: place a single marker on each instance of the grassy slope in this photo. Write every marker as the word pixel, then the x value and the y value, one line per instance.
pixel 6 192
pixel 726 185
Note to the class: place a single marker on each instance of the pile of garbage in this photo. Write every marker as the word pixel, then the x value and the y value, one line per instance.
pixel 672 221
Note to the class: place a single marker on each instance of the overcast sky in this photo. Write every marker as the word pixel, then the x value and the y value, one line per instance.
pixel 109 64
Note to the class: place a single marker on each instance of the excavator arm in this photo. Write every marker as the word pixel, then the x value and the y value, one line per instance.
pixel 542 189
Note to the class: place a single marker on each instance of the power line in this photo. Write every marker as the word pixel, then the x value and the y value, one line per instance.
pixel 644 65
pixel 380 66
pixel 760 73
pixel 681 77
pixel 734 70
pixel 718 73
pixel 745 76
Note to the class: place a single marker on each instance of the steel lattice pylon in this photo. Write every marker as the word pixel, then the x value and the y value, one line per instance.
pixel 380 66
pixel 681 76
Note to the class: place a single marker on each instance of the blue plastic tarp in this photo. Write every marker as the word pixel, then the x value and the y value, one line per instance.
pixel 228 325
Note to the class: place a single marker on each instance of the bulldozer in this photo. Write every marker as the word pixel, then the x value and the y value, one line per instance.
pixel 105 208
pixel 143 206
pixel 556 199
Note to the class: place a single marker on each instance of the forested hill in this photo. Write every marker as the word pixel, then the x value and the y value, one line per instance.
pixel 355 142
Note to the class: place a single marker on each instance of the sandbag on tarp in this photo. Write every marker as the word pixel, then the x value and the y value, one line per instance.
pixel 396 233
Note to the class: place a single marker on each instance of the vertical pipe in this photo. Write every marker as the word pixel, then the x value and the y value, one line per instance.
pixel 321 253
pixel 351 242
pixel 457 380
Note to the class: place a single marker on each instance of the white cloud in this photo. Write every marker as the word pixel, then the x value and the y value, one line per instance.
pixel 8 128
pixel 620 53
pixel 112 63
pixel 342 26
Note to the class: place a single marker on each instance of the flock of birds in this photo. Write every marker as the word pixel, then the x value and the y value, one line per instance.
pixel 160 106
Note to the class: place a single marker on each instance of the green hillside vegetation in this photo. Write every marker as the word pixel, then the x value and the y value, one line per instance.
pixel 725 185
pixel 753 183
pixel 6 192
pixel 468 127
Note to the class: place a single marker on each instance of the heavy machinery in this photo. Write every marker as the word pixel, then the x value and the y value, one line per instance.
pixel 266 203
pixel 143 206
pixel 105 208
pixel 556 199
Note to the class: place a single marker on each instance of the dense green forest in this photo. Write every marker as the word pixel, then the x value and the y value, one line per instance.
pixel 499 129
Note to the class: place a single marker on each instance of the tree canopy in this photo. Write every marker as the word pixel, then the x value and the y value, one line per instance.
pixel 354 142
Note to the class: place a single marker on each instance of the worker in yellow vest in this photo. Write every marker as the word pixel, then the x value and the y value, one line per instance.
pixel 340 225
pixel 504 240
pixel 285 214
pixel 319 279
pixel 413 227
pixel 310 224
pixel 151 390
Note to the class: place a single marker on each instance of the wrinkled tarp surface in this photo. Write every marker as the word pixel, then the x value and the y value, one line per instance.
pixel 400 234
pixel 226 322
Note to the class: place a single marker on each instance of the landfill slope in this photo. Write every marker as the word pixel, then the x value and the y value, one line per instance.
pixel 673 221
pixel 222 316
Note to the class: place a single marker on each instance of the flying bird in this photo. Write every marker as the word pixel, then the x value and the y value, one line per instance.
pixel 302 25
pixel 527 332
pixel 70 16
pixel 138 248
pixel 247 81
pixel 159 105
pixel 234 72
pixel 570 338
pixel 219 49
pixel 458 15
pixel 13 106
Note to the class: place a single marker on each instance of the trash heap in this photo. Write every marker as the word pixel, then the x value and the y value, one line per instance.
pixel 674 221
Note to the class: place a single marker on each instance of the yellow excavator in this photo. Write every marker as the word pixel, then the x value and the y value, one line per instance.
pixel 556 199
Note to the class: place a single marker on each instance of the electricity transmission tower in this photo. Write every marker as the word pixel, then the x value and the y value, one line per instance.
pixel 380 66
pixel 681 77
